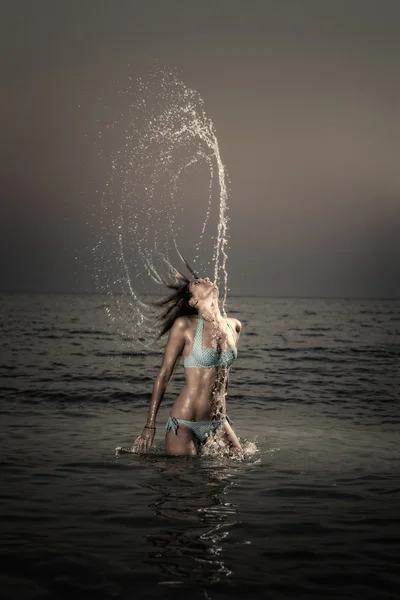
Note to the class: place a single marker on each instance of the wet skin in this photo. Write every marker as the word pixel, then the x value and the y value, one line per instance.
pixel 203 397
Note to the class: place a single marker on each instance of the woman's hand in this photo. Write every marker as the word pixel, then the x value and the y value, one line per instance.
pixel 145 440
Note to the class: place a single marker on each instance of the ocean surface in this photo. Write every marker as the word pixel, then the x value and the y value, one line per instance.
pixel 312 512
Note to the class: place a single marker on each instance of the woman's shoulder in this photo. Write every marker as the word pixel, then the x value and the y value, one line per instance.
pixel 236 324
pixel 185 322
pixel 182 328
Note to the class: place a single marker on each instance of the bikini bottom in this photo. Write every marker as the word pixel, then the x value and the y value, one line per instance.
pixel 201 429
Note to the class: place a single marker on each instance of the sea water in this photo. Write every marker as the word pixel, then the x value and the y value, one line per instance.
pixel 312 513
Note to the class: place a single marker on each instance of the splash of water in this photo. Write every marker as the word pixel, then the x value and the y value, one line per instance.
pixel 166 190
pixel 215 448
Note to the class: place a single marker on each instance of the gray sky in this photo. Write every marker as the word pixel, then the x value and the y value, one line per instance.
pixel 305 98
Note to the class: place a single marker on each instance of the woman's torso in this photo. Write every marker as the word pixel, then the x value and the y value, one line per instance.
pixel 208 353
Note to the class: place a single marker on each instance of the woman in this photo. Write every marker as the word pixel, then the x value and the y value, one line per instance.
pixel 207 341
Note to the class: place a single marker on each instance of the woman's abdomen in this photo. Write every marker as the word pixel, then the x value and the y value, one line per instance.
pixel 203 396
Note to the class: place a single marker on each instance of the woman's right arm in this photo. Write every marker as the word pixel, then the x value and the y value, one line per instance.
pixel 174 347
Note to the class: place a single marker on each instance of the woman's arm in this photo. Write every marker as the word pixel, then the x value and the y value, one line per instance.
pixel 230 434
pixel 174 347
pixel 232 438
pixel 238 329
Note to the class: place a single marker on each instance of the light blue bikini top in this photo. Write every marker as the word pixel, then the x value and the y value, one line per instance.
pixel 206 358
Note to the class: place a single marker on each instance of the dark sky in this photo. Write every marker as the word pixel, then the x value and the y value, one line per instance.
pixel 305 98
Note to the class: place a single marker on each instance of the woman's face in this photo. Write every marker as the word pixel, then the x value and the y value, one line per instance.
pixel 201 289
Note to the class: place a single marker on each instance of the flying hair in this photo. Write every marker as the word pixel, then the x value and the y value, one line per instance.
pixel 187 265
pixel 175 304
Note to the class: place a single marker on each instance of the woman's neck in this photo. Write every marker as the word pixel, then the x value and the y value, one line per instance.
pixel 210 312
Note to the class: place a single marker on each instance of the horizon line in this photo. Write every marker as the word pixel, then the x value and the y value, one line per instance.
pixel 293 296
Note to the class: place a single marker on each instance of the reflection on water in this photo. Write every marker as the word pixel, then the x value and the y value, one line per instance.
pixel 192 498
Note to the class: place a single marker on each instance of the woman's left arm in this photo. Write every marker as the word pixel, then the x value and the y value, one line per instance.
pixel 231 435
pixel 238 329
pixel 232 439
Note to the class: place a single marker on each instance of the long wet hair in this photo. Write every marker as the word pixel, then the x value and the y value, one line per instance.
pixel 175 304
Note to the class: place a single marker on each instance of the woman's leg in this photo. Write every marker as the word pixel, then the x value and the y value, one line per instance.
pixel 181 443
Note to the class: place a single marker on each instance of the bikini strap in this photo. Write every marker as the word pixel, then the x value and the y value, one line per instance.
pixel 199 331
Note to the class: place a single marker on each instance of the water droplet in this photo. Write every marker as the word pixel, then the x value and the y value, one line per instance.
pixel 166 136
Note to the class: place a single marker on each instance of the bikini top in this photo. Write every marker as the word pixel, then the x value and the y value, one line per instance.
pixel 206 358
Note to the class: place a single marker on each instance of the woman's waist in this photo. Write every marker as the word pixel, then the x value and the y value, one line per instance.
pixel 201 382
pixel 198 407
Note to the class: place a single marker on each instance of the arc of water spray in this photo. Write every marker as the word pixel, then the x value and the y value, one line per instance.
pixel 170 132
